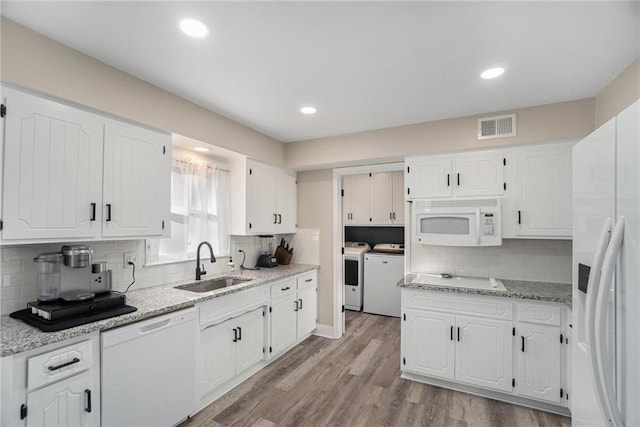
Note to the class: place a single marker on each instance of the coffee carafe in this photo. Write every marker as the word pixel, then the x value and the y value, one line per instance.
pixel 75 275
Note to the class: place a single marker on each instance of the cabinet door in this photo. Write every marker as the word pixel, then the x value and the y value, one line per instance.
pixel 398 197
pixel 287 203
pixel 428 343
pixel 66 403
pixel 381 198
pixel 307 309
pixel 52 170
pixel 261 203
pixel 283 322
pixel 544 198
pixel 484 352
pixel 217 356
pixel 250 345
pixel 137 181
pixel 538 362
pixel 428 177
pixel 478 174
pixel 355 205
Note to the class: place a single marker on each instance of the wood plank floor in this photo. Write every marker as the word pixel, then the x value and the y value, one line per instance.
pixel 355 381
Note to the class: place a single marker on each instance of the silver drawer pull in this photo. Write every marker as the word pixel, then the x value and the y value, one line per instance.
pixel 69 363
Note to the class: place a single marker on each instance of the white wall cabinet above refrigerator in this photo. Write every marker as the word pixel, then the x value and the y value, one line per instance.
pixel 71 174
pixel 467 174
pixel 373 198
pixel 263 199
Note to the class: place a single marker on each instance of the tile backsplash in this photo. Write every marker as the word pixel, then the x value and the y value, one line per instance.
pixel 18 271
pixel 516 259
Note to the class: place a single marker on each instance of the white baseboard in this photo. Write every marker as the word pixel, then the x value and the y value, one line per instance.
pixel 326 331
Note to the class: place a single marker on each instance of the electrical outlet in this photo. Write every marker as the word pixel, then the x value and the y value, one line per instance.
pixel 130 257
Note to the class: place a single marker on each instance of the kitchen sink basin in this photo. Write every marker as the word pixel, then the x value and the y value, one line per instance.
pixel 212 284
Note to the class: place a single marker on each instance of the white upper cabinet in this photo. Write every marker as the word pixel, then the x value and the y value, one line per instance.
pixel 261 203
pixel 479 174
pixel 539 204
pixel 286 203
pixel 66 168
pixel 137 173
pixel 263 199
pixel 373 198
pixel 469 174
pixel 356 199
pixel 428 176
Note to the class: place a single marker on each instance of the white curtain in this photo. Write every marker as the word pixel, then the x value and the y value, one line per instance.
pixel 200 202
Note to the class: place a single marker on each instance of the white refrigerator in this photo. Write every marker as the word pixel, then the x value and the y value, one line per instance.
pixel 606 274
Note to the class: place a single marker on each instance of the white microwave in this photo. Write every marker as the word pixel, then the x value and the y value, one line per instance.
pixel 457 222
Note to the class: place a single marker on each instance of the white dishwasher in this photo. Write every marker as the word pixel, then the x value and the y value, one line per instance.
pixel 149 371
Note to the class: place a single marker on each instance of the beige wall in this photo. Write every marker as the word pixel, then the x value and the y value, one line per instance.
pixel 619 94
pixel 315 199
pixel 33 61
pixel 565 120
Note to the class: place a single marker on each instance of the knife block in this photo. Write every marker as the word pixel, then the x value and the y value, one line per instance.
pixel 283 257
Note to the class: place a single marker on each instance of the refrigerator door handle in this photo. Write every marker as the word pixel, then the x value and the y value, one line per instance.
pixel 594 281
pixel 605 391
pixel 590 304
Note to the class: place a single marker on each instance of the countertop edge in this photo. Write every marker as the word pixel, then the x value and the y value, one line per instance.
pixel 516 289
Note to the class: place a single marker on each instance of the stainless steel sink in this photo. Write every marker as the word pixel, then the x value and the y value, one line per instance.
pixel 212 284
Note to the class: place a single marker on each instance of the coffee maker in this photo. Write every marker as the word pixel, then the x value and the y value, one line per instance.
pixel 70 276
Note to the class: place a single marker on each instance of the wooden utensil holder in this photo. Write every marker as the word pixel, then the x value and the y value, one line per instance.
pixel 282 256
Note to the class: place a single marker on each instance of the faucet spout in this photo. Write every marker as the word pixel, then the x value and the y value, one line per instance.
pixel 201 271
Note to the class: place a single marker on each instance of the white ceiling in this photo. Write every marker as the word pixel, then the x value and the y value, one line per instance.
pixel 365 65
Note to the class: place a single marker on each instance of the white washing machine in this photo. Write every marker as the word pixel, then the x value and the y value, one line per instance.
pixel 354 274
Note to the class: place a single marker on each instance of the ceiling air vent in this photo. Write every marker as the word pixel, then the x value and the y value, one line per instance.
pixel 497 127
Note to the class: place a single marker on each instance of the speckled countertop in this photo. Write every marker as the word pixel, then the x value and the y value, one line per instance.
pixel 16 336
pixel 552 292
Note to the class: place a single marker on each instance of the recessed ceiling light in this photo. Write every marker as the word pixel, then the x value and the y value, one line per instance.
pixel 202 149
pixel 194 28
pixel 492 73
pixel 308 110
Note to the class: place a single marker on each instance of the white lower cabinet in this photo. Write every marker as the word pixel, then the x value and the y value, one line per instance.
pixel 294 308
pixel 538 362
pixel 486 343
pixel 58 385
pixel 428 345
pixel 67 403
pixel 239 331
pixel 230 348
pixel 483 352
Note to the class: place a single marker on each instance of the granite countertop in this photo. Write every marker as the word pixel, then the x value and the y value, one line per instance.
pixel 16 336
pixel 541 291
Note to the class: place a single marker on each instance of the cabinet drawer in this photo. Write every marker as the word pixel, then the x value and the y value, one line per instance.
pixel 283 288
pixel 223 308
pixel 307 279
pixel 58 364
pixel 477 305
pixel 538 313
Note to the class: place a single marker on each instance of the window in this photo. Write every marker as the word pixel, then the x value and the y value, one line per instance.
pixel 199 211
